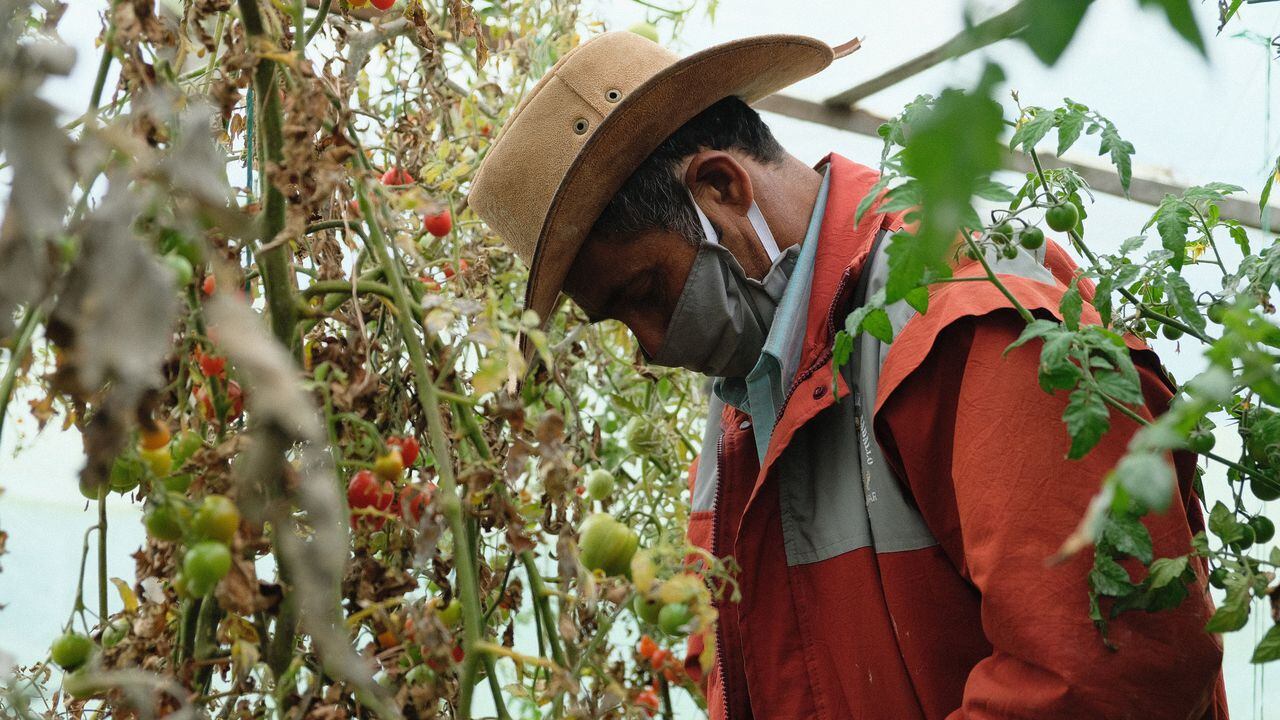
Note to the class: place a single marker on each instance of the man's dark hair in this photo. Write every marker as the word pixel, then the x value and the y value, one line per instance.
pixel 654 197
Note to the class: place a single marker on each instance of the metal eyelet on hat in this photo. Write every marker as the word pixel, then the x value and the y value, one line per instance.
pixel 613 95
pixel 580 125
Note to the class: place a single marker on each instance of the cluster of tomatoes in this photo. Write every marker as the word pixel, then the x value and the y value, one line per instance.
pixel 214 370
pixel 377 494
pixel 382 5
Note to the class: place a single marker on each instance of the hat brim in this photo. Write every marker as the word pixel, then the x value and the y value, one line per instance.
pixel 750 68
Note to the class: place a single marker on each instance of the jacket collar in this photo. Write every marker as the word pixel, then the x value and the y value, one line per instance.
pixel 843 248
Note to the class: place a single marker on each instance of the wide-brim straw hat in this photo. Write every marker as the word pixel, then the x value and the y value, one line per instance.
pixel 603 108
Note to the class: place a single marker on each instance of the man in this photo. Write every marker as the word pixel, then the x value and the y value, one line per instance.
pixel 892 534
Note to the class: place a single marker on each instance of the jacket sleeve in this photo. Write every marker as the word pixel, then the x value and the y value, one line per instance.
pixel 983 450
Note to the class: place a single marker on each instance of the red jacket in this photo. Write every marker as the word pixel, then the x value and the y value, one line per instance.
pixel 976 625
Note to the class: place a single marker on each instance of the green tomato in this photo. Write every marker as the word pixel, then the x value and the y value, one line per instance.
pixel 177 483
pixel 1031 237
pixel 217 519
pixel 1201 441
pixel 643 436
pixel 645 30
pixel 162 524
pixel 674 619
pixel 1170 332
pixel 1245 542
pixel 1218 578
pixel 1004 228
pixel 647 610
pixel 126 473
pixel 79 685
pixel 1062 217
pixel 1217 312
pixel 1263 529
pixel 204 565
pixel 89 491
pixel 71 650
pixel 159 461
pixel 600 484
pixel 606 544
pixel 115 631
pixel 450 614
pixel 182 270
pixel 186 445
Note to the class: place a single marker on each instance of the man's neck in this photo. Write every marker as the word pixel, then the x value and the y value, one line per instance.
pixel 787 200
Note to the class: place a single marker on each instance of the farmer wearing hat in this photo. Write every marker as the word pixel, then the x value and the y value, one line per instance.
pixel 892 532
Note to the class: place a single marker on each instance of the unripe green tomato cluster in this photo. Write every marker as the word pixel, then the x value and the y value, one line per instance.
pixel 208 530
pixel 606 544
pixel 71 650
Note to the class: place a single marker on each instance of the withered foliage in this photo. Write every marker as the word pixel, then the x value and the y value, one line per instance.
pixel 208 277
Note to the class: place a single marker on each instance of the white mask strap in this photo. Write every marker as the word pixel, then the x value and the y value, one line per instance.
pixel 757 223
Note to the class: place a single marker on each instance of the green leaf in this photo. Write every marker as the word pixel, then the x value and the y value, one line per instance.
pixel 1050 26
pixel 1269 648
pixel 1033 129
pixel 902 197
pixel 877 324
pixel 1087 421
pixel 1181 18
pixel 1180 294
pixel 1223 523
pixel 954 148
pixel 1071 307
pixel 1131 244
pixel 870 198
pixel 918 299
pixel 992 190
pixel 1148 478
pixel 1069 127
pixel 1233 613
pixel 1172 219
pixel 1165 571
pixel 1241 237
pixel 1057 372
pixel 1129 536
pixel 1120 385
pixel 1266 189
pixel 1121 153
pixel 1109 578
pixel 1034 329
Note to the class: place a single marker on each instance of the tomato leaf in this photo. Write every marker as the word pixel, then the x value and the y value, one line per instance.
pixel 1269 648
pixel 1109 578
pixel 1233 613
pixel 1129 536
pixel 1148 478
pixel 1166 570
pixel 1050 26
pixel 1087 421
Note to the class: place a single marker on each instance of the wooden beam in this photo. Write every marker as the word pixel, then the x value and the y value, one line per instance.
pixel 1102 179
pixel 993 29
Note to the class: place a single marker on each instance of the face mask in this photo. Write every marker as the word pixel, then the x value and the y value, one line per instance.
pixel 722 318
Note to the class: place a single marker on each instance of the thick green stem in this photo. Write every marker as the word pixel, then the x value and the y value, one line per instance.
pixel 273 257
pixel 104 64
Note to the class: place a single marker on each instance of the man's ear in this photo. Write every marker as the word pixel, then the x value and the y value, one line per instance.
pixel 716 178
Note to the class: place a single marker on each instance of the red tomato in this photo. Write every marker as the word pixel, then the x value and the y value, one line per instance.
pixel 659 658
pixel 353 207
pixel 397 176
pixel 647 700
pixel 383 4
pixel 209 285
pixel 415 500
pixel 408 447
pixel 430 284
pixel 235 396
pixel 211 365
pixel 365 490
pixel 439 224
pixel 458 653
pixel 647 647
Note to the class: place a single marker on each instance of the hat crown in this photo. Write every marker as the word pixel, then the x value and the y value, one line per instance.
pixel 517 181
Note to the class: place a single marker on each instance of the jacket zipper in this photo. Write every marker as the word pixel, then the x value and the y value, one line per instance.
pixel 822 359
pixel 715 550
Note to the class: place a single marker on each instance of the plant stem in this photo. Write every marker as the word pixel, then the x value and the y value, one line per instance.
pixel 451 495
pixel 26 329
pixel 277 281
pixel 104 64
